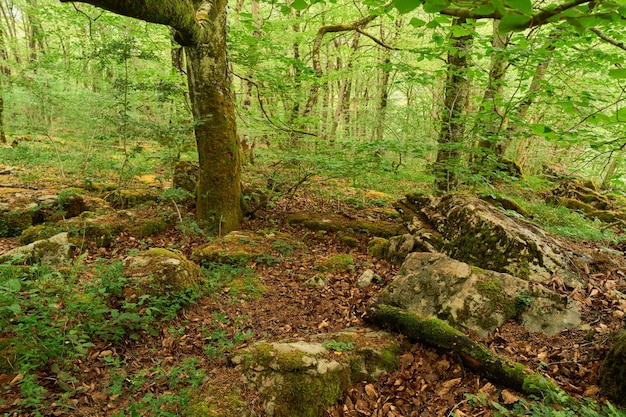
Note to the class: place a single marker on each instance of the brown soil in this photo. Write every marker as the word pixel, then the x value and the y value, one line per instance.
pixel 429 382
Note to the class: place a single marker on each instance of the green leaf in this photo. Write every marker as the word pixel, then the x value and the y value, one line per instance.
pixel 417 23
pixel 618 73
pixel 13 285
pixel 523 6
pixel 299 4
pixel 513 23
pixel 542 130
pixel 484 9
pixel 15 308
pixel 405 6
pixel 435 6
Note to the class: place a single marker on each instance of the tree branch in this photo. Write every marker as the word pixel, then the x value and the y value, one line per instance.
pixel 537 19
pixel 608 39
pixel 179 14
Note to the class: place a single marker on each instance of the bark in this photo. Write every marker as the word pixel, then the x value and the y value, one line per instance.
pixel 491 120
pixel 452 129
pixel 192 20
pixel 35 32
pixel 201 27
pixel 439 334
pixel 219 157
pixel 521 112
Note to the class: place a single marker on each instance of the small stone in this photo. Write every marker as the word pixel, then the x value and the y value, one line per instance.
pixel 366 279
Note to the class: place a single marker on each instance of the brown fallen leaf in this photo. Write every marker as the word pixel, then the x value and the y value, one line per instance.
pixel 508 397
pixel 448 385
pixel 371 391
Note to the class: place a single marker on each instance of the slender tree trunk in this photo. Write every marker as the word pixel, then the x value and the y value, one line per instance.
pixel 490 118
pixel 521 113
pixel 452 123
pixel 34 32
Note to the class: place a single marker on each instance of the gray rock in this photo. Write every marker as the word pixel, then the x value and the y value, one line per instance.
pixel 303 378
pixel 366 279
pixel 474 231
pixel 53 251
pixel 434 285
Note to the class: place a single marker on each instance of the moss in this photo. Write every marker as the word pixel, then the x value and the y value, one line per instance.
pixel 612 375
pixel 378 247
pixel 337 263
pixel 304 395
pixel 335 223
pixel 149 227
pixel 290 361
pixel 489 286
pixel 37 232
pixel 12 223
pixel 214 402
pixel 349 241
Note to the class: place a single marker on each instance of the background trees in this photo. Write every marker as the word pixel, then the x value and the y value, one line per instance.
pixel 339 89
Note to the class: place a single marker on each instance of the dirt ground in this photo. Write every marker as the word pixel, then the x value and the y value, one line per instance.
pixel 428 383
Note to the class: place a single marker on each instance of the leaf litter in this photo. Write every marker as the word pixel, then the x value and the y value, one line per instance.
pixel 428 382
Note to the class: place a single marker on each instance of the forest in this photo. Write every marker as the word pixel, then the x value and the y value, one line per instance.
pixel 312 208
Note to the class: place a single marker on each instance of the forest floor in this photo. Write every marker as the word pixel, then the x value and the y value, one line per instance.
pixel 428 383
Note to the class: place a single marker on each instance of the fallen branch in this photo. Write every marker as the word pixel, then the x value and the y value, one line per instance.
pixel 438 333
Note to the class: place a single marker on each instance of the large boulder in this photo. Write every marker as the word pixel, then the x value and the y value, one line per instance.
pixel 434 285
pixel 302 378
pixel 471 230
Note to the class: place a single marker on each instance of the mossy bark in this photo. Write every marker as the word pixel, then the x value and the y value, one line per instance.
pixel 437 333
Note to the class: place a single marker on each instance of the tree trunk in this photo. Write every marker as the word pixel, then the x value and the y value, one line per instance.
pixel 490 118
pixel 438 333
pixel 219 183
pixel 452 129
pixel 200 26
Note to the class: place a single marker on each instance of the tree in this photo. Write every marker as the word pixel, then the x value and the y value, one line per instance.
pixel 200 26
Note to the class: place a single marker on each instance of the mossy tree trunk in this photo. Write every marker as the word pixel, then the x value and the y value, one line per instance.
pixel 452 128
pixel 200 26
pixel 435 332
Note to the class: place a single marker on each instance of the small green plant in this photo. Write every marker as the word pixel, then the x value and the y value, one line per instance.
pixel 219 340
pixel 338 346
pixel 547 407
pixel 284 248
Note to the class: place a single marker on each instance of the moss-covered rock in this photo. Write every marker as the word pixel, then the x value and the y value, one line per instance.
pixel 240 247
pixel 149 227
pixel 336 263
pixel 38 232
pixel 612 376
pixel 378 247
pixel 434 285
pixel 157 271
pixel 55 250
pixel 123 199
pixel 100 229
pixel 302 378
pixel 473 231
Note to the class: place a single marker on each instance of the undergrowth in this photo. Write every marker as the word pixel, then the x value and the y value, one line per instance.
pixel 52 316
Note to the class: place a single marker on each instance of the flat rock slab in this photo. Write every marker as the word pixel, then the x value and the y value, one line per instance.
pixel 434 285
pixel 54 251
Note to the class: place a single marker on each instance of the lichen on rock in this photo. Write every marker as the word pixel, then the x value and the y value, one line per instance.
pixel 467 297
